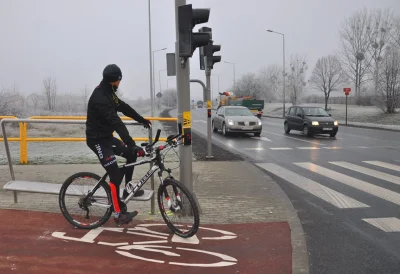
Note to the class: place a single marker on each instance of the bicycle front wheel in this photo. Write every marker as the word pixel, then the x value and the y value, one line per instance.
pixel 176 203
pixel 82 211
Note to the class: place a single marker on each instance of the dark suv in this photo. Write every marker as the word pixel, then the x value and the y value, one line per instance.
pixel 310 120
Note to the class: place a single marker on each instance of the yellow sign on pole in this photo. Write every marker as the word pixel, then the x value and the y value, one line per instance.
pixel 187 119
pixel 208 104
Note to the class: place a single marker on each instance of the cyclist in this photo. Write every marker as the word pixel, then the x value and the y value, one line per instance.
pixel 102 121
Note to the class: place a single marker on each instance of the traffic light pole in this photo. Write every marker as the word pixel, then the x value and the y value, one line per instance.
pixel 208 98
pixel 206 92
pixel 184 114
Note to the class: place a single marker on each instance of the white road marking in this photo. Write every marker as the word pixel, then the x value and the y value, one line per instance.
pixel 281 148
pixel 325 193
pixel 282 135
pixel 262 138
pixel 334 148
pixel 377 191
pixel 390 224
pixel 374 173
pixel 192 240
pixel 385 165
pixel 307 147
pixel 201 121
pixel 254 148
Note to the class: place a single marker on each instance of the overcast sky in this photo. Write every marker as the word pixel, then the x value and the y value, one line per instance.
pixel 74 40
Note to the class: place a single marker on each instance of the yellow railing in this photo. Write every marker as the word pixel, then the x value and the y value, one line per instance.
pixel 23 138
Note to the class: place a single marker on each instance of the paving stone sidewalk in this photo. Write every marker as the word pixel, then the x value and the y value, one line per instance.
pixel 228 192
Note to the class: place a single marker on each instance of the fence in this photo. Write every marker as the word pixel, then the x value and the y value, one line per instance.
pixel 23 138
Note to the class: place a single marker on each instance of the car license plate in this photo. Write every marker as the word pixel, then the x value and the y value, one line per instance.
pixel 327 128
pixel 247 128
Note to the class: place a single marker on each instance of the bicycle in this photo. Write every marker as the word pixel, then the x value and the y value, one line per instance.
pixel 88 200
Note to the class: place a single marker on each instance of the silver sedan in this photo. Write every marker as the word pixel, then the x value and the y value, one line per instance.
pixel 236 119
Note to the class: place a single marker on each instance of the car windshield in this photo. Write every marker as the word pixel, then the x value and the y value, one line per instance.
pixel 238 112
pixel 319 112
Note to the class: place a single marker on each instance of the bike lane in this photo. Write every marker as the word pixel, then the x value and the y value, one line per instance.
pixel 38 242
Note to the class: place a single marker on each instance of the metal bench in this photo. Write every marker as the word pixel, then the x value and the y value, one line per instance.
pixel 49 188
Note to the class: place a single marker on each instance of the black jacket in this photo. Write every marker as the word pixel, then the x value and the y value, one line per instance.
pixel 102 118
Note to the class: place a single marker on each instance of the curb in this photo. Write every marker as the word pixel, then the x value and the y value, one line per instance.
pixel 348 125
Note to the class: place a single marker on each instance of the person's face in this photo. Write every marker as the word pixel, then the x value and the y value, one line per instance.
pixel 116 83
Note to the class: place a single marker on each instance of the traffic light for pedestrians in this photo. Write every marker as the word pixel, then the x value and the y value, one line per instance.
pixel 209 52
pixel 187 19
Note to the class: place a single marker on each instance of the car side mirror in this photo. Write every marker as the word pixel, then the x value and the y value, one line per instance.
pixel 221 115
pixel 330 114
pixel 299 115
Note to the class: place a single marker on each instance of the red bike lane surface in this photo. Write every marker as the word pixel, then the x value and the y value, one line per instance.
pixel 37 242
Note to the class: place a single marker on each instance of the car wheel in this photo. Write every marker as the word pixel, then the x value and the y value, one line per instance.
pixel 214 128
pixel 224 130
pixel 307 131
pixel 333 134
pixel 286 127
pixel 257 134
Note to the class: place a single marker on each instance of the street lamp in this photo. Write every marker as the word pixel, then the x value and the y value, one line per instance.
pixel 154 85
pixel 234 73
pixel 284 71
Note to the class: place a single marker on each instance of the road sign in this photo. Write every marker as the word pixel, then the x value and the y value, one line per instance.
pixel 347 91
pixel 159 95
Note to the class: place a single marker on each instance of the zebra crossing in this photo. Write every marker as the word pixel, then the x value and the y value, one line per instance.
pixel 380 175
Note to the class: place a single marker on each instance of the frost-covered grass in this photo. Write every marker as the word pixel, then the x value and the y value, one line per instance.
pixel 356 115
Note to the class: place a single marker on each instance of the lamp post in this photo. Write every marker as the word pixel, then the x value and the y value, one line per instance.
pixel 234 73
pixel 284 71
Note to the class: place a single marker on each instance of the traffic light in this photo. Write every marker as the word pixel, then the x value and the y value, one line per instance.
pixel 201 50
pixel 187 19
pixel 208 53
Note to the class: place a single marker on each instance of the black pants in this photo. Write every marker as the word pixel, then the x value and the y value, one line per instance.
pixel 106 149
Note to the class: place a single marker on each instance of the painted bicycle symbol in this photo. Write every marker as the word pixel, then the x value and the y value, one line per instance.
pixel 153 247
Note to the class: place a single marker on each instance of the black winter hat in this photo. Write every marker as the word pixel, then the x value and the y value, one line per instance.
pixel 112 73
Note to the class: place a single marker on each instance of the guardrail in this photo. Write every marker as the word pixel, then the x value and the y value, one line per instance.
pixel 23 139
pixel 77 120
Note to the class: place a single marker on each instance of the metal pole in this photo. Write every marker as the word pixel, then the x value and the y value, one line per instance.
pixel 152 102
pixel 284 78
pixel 183 88
pixel 234 76
pixel 151 66
pixel 346 109
pixel 208 98
pixel 3 128
pixel 154 85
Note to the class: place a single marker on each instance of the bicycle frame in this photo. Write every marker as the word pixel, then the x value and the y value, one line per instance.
pixel 130 187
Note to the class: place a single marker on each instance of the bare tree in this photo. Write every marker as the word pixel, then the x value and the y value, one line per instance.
pixel 396 32
pixel 85 97
pixel 50 92
pixel 381 37
pixel 248 85
pixel 169 98
pixel 328 76
pixel 271 80
pixel 11 101
pixel 355 34
pixel 296 77
pixel 35 99
pixel 389 81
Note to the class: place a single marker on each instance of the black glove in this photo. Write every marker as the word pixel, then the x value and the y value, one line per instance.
pixel 139 151
pixel 146 123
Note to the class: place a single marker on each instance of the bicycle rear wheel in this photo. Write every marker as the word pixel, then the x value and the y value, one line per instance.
pixel 177 199
pixel 96 209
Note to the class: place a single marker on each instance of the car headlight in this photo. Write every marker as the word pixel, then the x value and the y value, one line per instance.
pixel 230 122
pixel 259 122
pixel 336 123
pixel 315 123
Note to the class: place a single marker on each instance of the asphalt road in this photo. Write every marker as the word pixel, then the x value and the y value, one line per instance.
pixel 346 190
